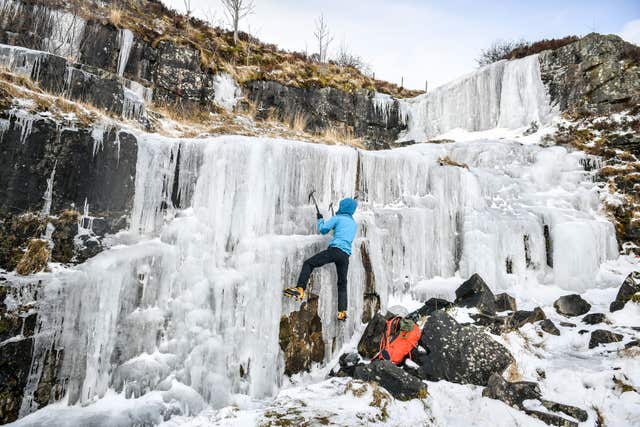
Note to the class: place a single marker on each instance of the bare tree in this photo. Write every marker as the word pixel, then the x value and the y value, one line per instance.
pixel 187 8
pixel 345 58
pixel 235 11
pixel 211 16
pixel 323 38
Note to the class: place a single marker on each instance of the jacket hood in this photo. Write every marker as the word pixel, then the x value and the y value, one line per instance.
pixel 347 206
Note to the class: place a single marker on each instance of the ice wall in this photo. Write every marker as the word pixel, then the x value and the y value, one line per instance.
pixel 192 294
pixel 506 94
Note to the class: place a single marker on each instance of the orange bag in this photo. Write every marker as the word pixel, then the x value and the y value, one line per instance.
pixel 398 340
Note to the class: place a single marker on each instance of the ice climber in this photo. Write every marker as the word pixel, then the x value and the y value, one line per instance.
pixel 344 231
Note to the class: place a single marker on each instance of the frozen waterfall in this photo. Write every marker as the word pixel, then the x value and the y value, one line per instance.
pixel 187 304
pixel 505 94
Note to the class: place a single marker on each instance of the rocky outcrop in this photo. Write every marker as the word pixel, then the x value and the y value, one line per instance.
pixel 629 288
pixel 301 337
pixel 596 74
pixel 49 169
pixel 369 343
pixel 18 328
pixel 373 117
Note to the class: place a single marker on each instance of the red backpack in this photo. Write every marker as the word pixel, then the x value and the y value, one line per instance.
pixel 398 339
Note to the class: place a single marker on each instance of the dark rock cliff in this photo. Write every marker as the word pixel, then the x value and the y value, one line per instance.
pixel 596 74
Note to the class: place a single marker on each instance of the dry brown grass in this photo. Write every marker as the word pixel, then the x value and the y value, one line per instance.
pixel 35 259
pixel 334 135
pixel 299 121
pixel 115 16
pixel 447 161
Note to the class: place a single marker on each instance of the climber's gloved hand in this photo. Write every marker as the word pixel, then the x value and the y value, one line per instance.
pixel 319 216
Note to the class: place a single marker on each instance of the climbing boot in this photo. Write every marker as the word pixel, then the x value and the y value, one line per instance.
pixel 342 316
pixel 297 293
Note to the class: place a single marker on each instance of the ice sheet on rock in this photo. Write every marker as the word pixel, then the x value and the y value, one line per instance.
pixel 19 60
pixel 223 225
pixel 125 38
pixel 226 91
pixel 507 94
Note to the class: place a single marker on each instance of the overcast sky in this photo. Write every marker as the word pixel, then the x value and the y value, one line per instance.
pixel 427 40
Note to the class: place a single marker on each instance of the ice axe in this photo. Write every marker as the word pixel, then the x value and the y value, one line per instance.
pixel 312 197
pixel 331 209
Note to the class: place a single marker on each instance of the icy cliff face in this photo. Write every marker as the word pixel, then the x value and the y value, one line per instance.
pixel 505 94
pixel 191 296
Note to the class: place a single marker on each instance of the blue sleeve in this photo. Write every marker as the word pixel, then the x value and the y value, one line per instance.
pixel 325 227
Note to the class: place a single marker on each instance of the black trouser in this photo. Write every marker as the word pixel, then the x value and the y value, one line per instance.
pixel 340 259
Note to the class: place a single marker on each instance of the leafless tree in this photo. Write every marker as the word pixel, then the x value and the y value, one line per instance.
pixel 187 8
pixel 345 58
pixel 211 16
pixel 323 38
pixel 235 11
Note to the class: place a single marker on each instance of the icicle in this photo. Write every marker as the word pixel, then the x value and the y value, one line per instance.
pixel 48 194
pixel 126 40
pixel 97 134
pixel 383 104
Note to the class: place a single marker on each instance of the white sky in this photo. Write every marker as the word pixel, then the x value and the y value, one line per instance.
pixel 426 40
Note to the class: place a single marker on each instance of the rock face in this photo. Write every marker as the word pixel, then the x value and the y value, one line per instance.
pixel 370 296
pixel 628 289
pixel 301 337
pixel 587 76
pixel 475 293
pixel 394 379
pixel 571 305
pixel 18 325
pixel 378 124
pixel 461 354
pixel 516 320
pixel 602 336
pixel 50 170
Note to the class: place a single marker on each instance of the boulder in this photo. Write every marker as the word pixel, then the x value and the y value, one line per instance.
pixel 505 302
pixel 568 324
pixel 513 394
pixel 457 353
pixel 346 365
pixel 602 336
pixel 475 293
pixel 502 324
pixel 571 305
pixel 549 327
pixel 516 393
pixel 429 307
pixel 369 343
pixel 395 380
pixel 594 318
pixel 628 289
pixel 522 317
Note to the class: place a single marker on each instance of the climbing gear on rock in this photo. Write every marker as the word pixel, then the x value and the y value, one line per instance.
pixel 312 197
pixel 297 293
pixel 400 336
pixel 342 316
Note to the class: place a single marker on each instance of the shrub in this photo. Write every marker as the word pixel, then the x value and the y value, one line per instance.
pixel 511 49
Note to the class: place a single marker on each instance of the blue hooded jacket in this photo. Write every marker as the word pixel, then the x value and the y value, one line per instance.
pixel 342 223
